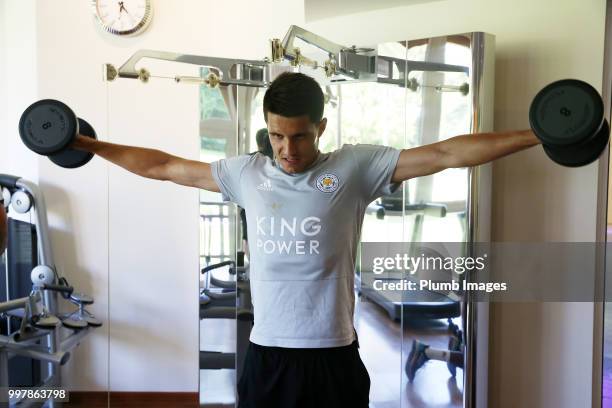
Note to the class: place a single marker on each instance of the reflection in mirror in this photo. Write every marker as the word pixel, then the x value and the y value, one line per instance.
pixel 435 211
pixel 220 266
pixel 423 209
pixel 606 379
pixel 417 332
pixel 605 193
pixel 375 113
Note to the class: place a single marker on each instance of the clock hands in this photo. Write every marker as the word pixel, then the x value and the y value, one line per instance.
pixel 123 9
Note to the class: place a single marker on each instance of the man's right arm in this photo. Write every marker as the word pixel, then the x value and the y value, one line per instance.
pixel 151 163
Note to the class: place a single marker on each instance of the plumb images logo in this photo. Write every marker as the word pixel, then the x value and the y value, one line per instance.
pixel 490 271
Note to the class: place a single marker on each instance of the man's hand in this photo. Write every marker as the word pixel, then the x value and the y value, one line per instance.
pixel 151 163
pixel 460 151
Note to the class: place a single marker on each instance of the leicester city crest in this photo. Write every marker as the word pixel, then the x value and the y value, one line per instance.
pixel 327 183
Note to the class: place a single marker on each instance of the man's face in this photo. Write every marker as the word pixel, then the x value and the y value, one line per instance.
pixel 295 141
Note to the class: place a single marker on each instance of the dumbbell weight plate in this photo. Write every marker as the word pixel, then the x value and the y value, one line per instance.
pixel 47 322
pixel 71 158
pixel 580 154
pixel 92 321
pixel 48 126
pixel 566 112
pixel 73 323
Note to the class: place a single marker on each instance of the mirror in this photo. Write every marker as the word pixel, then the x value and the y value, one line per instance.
pixel 220 271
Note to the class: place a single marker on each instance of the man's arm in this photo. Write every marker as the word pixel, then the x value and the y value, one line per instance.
pixel 152 163
pixel 460 151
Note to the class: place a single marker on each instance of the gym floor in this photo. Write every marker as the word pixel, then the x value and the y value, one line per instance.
pixel 385 352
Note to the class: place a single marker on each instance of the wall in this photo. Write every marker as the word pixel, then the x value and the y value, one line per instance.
pixel 541 354
pixel 18 86
pixel 3 101
pixel 319 9
pixel 104 219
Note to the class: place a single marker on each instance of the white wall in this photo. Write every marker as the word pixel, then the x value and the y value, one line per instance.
pixel 134 241
pixel 18 83
pixel 541 354
pixel 2 65
pixel 319 9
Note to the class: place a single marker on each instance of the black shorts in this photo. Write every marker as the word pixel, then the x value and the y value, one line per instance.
pixel 275 377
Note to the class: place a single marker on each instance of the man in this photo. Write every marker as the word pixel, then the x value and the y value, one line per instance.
pixel 304 211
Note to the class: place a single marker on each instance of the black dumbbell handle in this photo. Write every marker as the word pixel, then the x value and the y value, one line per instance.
pixel 59 288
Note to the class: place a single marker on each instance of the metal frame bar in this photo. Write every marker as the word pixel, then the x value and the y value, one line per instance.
pixel 356 64
pixel 603 168
pixel 479 222
pixel 231 71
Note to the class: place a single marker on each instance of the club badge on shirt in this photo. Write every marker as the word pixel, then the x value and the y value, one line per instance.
pixel 327 183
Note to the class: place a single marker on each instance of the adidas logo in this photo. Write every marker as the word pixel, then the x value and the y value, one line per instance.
pixel 265 186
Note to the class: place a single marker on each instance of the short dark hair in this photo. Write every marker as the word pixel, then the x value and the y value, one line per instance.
pixel 294 94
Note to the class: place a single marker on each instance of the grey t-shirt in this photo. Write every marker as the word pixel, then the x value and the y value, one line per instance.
pixel 303 234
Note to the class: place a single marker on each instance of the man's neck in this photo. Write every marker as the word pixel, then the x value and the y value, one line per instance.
pixel 310 165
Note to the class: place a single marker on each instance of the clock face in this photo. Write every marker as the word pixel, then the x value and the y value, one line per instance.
pixel 127 17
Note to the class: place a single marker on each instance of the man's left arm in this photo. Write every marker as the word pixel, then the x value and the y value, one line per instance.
pixel 460 151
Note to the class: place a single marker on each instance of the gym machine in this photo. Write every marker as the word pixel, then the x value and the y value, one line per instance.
pixel 40 335
pixel 334 64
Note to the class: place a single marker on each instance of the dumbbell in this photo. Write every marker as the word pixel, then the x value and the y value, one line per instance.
pixel 48 127
pixel 568 117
